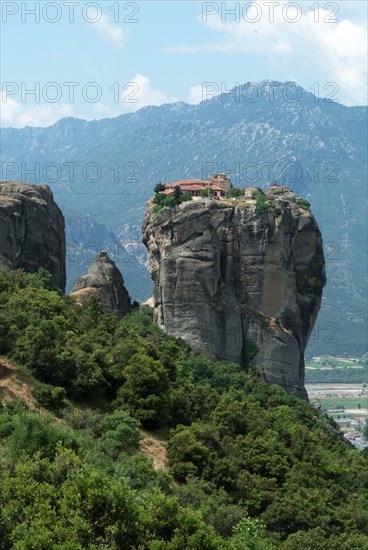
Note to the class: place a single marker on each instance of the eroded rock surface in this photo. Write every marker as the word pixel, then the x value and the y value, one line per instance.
pixel 104 280
pixel 32 231
pixel 225 273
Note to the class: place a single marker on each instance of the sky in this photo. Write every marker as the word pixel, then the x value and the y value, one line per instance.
pixel 101 59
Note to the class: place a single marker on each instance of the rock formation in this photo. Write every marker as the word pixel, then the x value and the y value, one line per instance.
pixel 104 280
pixel 226 273
pixel 32 231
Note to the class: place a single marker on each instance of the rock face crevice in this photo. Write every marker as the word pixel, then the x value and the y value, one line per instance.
pixel 224 273
pixel 104 280
pixel 32 230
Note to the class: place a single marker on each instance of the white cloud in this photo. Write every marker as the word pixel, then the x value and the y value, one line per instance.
pixel 203 91
pixel 302 51
pixel 196 94
pixel 10 110
pixel 138 93
pixel 17 115
pixel 101 108
pixel 109 32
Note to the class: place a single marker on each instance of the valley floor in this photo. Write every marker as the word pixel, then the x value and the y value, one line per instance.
pixel 347 404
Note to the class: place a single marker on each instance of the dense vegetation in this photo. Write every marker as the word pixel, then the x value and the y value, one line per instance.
pixel 162 201
pixel 250 467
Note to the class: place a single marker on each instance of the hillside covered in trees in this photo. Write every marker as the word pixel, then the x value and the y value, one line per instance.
pixel 248 466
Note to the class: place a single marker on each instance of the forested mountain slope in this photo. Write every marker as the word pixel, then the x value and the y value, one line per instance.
pixel 249 467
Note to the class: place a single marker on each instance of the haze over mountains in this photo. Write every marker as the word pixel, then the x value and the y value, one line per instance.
pixel 103 172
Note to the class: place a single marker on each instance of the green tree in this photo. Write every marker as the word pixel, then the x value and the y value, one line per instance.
pixel 51 397
pixel 195 451
pixel 33 433
pixel 249 534
pixel 208 192
pixel 159 187
pixel 178 194
pixel 45 278
pixel 236 192
pixel 43 504
pixel 262 203
pixel 314 539
pixel 186 197
pixel 145 389
pixel 119 433
pixel 175 528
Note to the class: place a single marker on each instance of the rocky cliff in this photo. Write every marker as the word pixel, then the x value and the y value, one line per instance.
pixel 32 233
pixel 228 273
pixel 104 280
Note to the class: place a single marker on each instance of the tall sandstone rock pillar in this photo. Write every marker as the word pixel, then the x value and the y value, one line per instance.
pixel 226 273
pixel 104 280
pixel 32 230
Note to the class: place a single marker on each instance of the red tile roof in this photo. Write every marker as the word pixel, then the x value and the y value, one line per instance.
pixel 186 182
pixel 184 188
pixel 191 185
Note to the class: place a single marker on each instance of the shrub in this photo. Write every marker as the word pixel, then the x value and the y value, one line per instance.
pixel 34 433
pixel 208 192
pixel 249 352
pixel 262 203
pixel 303 204
pixel 161 201
pixel 119 433
pixel 50 397
pixel 236 192
pixel 144 392
pixel 186 197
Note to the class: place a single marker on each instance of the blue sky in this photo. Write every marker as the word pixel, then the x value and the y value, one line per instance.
pixel 167 50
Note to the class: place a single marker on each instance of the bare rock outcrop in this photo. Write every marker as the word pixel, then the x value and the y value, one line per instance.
pixel 104 280
pixel 32 230
pixel 226 273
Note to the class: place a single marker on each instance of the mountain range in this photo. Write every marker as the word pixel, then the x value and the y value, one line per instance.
pixel 103 172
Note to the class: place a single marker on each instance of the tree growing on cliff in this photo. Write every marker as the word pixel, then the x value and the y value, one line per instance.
pixel 159 187
pixel 236 192
pixel 178 194
pixel 262 203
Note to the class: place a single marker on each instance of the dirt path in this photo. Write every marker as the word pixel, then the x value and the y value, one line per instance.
pixel 12 387
pixel 6 370
pixel 153 447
